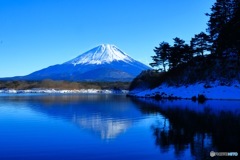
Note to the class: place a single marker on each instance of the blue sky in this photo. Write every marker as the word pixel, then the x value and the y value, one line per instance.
pixel 35 34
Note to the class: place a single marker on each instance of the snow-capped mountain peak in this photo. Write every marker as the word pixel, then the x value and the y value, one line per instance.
pixel 103 63
pixel 104 53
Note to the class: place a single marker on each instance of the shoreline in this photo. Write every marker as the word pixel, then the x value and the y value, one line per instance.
pixel 58 91
pixel 195 92
pixel 212 91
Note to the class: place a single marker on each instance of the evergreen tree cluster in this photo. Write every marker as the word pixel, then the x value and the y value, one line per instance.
pixel 222 39
pixel 224 27
pixel 168 57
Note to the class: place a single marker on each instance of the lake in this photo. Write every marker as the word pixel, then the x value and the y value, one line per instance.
pixel 104 127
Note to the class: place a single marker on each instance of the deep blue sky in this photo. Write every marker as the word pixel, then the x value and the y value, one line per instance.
pixel 35 34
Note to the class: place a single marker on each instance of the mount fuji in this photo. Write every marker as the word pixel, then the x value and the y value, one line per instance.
pixel 103 63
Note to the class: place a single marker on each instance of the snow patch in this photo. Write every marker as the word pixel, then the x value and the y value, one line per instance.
pixel 210 91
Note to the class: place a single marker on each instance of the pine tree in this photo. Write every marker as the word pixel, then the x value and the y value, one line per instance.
pixel 161 56
pixel 200 43
pixel 188 53
pixel 177 53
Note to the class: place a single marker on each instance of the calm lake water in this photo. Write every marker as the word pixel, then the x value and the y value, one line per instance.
pixel 72 127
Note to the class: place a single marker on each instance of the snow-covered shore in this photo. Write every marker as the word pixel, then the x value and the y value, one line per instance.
pixel 214 90
pixel 54 91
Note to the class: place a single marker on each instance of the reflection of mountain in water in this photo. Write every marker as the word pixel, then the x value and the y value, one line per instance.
pixel 106 116
pixel 108 128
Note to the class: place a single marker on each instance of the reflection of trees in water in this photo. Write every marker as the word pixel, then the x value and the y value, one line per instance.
pixel 166 136
pixel 201 131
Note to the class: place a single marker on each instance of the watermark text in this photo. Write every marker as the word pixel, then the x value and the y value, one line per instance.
pixel 213 154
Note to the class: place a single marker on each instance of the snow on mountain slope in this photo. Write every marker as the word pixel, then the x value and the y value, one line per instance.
pixel 104 53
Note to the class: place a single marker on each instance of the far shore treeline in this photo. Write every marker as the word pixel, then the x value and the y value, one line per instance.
pixel 61 85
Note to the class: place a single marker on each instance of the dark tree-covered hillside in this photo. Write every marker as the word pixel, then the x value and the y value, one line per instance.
pixel 211 56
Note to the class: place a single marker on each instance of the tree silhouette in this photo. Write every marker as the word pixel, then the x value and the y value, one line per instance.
pixel 222 12
pixel 177 53
pixel 160 59
pixel 200 43
pixel 188 53
pixel 228 41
